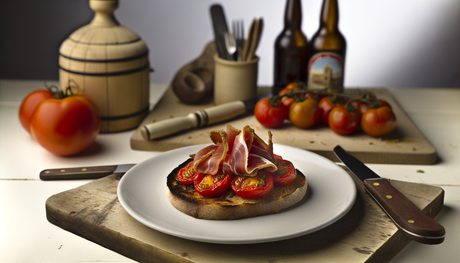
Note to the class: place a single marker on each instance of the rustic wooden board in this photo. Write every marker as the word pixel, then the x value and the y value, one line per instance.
pixel 405 145
pixel 365 234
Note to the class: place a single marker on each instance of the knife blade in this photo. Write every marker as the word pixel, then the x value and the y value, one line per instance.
pixel 413 222
pixel 90 172
pixel 197 119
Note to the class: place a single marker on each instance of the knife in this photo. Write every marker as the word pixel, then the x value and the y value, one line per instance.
pixel 197 119
pixel 413 222
pixel 219 24
pixel 91 172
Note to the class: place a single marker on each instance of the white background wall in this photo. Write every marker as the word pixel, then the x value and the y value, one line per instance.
pixel 391 43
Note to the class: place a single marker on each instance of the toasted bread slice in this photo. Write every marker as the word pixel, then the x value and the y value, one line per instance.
pixel 230 206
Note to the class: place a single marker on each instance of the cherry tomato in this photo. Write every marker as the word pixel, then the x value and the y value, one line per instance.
pixel 286 173
pixel 287 101
pixel 304 114
pixel 29 105
pixel 212 185
pixel 363 107
pixel 325 106
pixel 342 121
pixel 65 126
pixel 268 115
pixel 378 122
pixel 253 187
pixel 187 174
pixel 366 95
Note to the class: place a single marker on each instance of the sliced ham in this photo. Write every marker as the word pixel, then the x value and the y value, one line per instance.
pixel 208 159
pixel 249 153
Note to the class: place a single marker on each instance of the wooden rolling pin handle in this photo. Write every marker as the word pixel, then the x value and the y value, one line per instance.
pixel 200 118
pixel 225 111
pixel 159 129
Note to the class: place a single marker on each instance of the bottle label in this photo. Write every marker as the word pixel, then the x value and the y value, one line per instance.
pixel 325 71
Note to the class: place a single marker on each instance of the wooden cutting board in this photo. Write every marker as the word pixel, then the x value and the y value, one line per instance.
pixel 364 234
pixel 405 145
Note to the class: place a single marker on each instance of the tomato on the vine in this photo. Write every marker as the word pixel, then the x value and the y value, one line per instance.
pixel 304 114
pixel 378 122
pixel 269 115
pixel 65 126
pixel 325 106
pixel 343 121
pixel 363 106
pixel 29 105
pixel 287 101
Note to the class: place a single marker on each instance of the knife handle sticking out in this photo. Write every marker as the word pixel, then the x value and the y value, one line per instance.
pixel 91 172
pixel 194 120
pixel 405 214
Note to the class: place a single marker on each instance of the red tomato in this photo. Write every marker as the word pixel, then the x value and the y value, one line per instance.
pixel 325 106
pixel 304 114
pixel 287 101
pixel 29 105
pixel 286 173
pixel 210 185
pixel 363 107
pixel 342 121
pixel 66 126
pixel 378 122
pixel 268 115
pixel 187 174
pixel 253 187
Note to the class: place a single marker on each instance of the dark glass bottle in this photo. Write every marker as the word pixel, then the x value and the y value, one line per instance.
pixel 326 66
pixel 291 49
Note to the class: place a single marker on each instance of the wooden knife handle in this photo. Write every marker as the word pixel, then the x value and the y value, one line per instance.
pixel 91 172
pixel 406 215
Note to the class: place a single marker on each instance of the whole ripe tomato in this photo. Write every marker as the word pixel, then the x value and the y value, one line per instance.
pixel 65 126
pixel 343 121
pixel 287 101
pixel 29 105
pixel 304 114
pixel 268 115
pixel 363 107
pixel 378 122
pixel 325 106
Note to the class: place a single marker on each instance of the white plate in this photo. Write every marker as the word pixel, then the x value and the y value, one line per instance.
pixel 331 194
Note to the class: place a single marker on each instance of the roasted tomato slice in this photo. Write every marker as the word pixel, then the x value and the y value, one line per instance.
pixel 253 187
pixel 187 174
pixel 286 173
pixel 212 185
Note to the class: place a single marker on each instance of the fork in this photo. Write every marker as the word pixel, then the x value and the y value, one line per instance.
pixel 238 33
pixel 230 44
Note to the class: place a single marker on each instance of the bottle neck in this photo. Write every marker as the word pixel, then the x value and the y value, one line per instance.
pixel 330 15
pixel 293 15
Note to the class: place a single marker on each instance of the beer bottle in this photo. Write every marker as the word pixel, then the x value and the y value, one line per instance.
pixel 291 49
pixel 327 51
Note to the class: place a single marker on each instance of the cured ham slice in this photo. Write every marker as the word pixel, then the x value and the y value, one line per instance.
pixel 208 159
pixel 248 154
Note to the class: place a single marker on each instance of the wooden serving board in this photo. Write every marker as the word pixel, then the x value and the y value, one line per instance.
pixel 364 234
pixel 405 145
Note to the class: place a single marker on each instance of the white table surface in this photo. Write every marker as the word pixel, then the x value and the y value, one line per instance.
pixel 27 236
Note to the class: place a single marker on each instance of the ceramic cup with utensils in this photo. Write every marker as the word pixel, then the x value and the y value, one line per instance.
pixel 235 80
